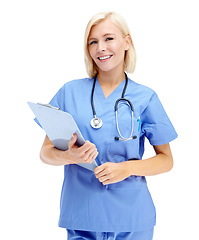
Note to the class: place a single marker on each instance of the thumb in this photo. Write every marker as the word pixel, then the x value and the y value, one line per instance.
pixel 72 141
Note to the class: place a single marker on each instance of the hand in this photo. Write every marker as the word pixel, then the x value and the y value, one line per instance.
pixel 84 154
pixel 111 172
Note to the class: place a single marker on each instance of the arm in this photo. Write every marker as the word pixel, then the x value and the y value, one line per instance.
pixel 52 156
pixel 109 173
pixel 162 162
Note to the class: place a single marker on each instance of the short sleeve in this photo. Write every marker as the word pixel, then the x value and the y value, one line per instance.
pixel 156 125
pixel 59 99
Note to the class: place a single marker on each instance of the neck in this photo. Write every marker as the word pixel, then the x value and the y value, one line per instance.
pixel 110 79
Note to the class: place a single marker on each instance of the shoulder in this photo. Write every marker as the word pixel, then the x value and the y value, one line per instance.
pixel 74 86
pixel 70 90
pixel 141 90
pixel 78 83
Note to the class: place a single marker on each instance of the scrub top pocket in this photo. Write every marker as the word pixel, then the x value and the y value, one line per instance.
pixel 124 150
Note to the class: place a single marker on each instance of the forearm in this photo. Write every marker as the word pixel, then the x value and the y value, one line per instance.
pixel 110 172
pixel 74 155
pixel 158 164
pixel 52 156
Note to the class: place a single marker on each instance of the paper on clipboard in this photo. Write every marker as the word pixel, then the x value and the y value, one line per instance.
pixel 59 127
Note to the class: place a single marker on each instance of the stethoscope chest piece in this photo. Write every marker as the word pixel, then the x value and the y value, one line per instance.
pixel 96 122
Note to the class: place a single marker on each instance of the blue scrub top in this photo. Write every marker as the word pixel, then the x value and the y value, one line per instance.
pixel 86 204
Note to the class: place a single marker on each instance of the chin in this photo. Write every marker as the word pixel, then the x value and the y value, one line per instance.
pixel 106 68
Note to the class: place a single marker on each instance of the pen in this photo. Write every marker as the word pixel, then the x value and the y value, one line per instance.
pixel 139 127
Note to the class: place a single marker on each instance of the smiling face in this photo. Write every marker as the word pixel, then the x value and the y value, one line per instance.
pixel 107 46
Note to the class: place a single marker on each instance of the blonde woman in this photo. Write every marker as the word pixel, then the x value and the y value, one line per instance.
pixel 115 115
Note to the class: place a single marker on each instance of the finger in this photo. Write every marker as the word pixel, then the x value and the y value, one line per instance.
pixel 104 178
pixel 72 141
pixel 108 181
pixel 91 153
pixel 86 147
pixel 99 169
pixel 102 170
pixel 88 154
pixel 92 157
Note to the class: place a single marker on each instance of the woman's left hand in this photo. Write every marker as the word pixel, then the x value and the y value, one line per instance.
pixel 110 172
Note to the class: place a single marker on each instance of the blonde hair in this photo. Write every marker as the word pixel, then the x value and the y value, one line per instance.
pixel 130 55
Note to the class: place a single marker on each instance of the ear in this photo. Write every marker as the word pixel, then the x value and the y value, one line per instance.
pixel 128 42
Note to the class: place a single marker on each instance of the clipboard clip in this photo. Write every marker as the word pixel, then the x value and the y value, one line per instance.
pixel 48 105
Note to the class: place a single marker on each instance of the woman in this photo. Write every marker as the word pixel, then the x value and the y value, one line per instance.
pixel 113 202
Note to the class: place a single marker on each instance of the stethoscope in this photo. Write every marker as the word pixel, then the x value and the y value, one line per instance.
pixel 97 122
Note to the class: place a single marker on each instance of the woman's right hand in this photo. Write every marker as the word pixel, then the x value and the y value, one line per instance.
pixel 74 155
pixel 84 154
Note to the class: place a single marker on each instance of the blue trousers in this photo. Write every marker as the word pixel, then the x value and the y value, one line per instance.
pixel 77 235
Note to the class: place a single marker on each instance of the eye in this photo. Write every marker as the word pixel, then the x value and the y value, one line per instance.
pixel 92 42
pixel 109 38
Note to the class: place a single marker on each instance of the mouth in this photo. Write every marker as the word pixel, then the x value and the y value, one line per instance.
pixel 104 57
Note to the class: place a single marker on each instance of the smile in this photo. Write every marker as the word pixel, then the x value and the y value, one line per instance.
pixel 105 57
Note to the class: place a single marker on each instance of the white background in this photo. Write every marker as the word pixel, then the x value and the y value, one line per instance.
pixel 41 47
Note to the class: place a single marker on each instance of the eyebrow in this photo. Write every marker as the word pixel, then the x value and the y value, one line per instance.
pixel 107 34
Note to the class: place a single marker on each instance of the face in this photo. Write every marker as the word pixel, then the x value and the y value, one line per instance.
pixel 107 46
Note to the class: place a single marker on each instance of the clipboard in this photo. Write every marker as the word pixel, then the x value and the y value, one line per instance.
pixel 59 127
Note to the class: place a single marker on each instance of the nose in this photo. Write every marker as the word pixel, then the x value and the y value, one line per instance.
pixel 101 46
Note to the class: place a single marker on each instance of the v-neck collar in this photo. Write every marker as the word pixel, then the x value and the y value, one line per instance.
pixel 115 94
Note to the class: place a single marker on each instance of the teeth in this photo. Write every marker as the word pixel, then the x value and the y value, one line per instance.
pixel 103 58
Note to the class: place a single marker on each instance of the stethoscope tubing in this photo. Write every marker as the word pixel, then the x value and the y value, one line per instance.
pixel 116 109
pixel 123 99
pixel 132 127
